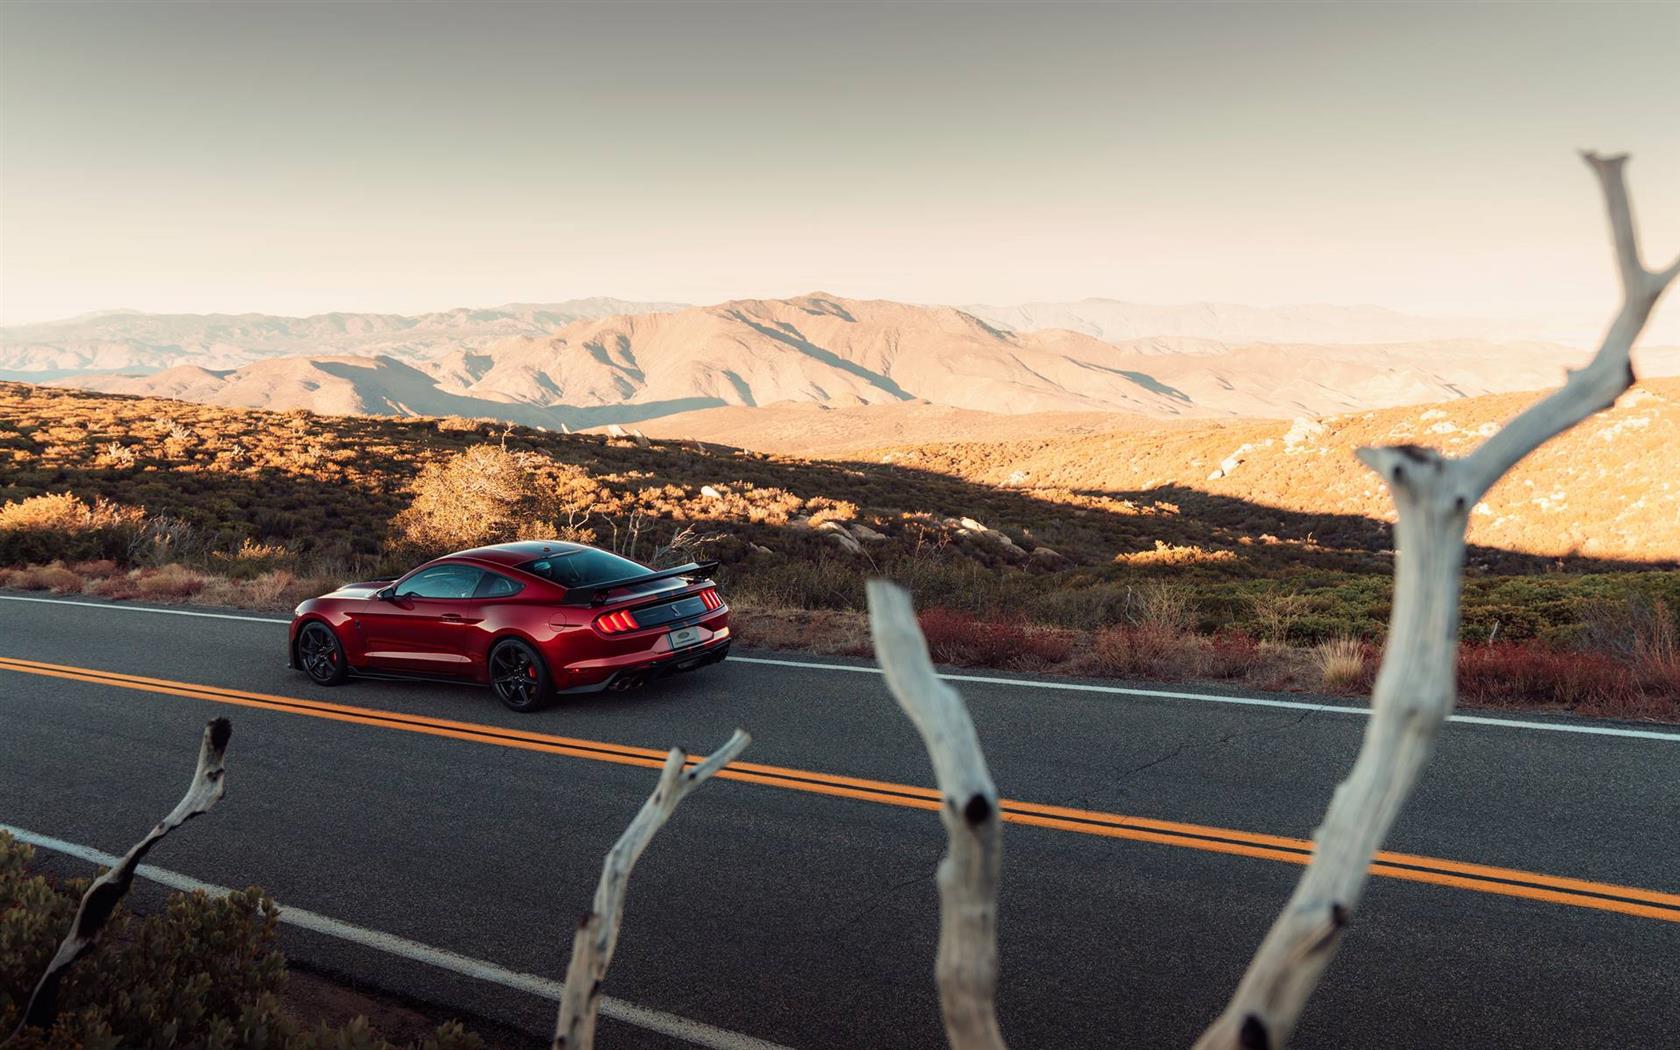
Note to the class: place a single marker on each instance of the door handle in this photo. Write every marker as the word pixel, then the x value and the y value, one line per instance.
pixel 452 618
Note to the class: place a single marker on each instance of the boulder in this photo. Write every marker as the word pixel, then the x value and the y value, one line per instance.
pixel 865 533
pixel 1301 432
pixel 1045 558
pixel 614 430
pixel 837 532
pixel 710 492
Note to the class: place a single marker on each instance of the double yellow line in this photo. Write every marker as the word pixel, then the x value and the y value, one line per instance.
pixel 1481 878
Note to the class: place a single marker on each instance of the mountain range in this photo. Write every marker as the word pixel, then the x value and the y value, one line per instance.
pixel 599 362
pixel 131 341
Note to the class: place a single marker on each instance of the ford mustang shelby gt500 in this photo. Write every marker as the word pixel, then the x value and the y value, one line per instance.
pixel 530 619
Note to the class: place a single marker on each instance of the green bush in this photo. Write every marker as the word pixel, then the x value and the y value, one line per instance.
pixel 203 975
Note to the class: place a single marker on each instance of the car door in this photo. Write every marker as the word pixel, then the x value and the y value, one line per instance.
pixel 426 625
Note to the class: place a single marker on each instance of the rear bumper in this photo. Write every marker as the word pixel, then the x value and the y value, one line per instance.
pixel 592 677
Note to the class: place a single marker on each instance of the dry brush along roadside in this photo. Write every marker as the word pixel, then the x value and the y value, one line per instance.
pixel 100 901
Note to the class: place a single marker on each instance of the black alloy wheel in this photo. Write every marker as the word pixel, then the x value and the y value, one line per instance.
pixel 518 676
pixel 320 655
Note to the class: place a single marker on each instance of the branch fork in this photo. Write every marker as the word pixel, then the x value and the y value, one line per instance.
pixel 597 932
pixel 100 901
pixel 1416 683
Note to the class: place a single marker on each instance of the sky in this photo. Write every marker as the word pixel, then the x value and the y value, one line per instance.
pixel 309 157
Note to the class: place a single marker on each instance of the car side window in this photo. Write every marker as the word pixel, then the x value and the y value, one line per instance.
pixel 441 581
pixel 496 586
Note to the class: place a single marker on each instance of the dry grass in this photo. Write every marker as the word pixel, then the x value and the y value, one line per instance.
pixel 1341 664
pixel 55 577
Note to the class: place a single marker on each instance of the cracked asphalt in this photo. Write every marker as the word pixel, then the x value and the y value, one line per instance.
pixel 812 920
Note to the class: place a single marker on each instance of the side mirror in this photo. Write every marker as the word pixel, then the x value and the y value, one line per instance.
pixel 386 594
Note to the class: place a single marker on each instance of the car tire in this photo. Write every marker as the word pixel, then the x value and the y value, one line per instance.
pixel 320 655
pixel 519 677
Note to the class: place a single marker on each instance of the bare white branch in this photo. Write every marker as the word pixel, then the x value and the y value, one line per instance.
pixel 1597 386
pixel 597 934
pixel 100 900
pixel 966 968
pixel 1415 687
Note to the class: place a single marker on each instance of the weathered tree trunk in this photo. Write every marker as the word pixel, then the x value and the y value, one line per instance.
pixel 597 934
pixel 101 898
pixel 966 968
pixel 1415 686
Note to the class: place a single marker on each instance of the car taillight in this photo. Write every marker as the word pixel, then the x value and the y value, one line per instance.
pixel 710 597
pixel 616 622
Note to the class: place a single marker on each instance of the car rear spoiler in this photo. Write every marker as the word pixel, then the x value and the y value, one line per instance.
pixel 595 593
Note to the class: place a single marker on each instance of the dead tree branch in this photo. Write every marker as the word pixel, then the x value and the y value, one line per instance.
pixel 597 934
pixel 1415 686
pixel 100 900
pixel 966 968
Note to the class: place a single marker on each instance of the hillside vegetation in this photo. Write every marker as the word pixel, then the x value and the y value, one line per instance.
pixel 158 498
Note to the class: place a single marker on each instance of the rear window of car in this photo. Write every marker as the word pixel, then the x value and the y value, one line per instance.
pixel 496 586
pixel 584 568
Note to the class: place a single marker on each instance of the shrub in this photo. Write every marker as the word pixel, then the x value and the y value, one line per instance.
pixel 204 973
pixel 63 526
pixel 958 638
pixel 1233 654
pixel 1166 605
pixel 490 495
pixel 1151 651
pixel 1340 663
pixel 171 581
pixel 55 577
pixel 1515 673
pixel 162 540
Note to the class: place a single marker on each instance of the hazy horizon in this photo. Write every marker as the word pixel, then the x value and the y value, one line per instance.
pixel 314 158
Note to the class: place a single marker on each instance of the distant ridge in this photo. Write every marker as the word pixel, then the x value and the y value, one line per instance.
pixel 128 340
pixel 1115 321
pixel 822 349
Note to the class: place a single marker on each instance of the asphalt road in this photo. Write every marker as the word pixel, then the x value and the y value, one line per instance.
pixel 809 919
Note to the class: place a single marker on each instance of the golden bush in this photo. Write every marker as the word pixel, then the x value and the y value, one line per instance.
pixel 487 494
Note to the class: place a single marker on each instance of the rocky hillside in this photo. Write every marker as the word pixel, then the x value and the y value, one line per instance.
pixel 1602 490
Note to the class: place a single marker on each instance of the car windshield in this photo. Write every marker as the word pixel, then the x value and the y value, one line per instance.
pixel 583 568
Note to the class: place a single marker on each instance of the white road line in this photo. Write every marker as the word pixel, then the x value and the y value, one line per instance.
pixel 695 1032
pixel 1247 701
pixel 142 609
pixel 1030 683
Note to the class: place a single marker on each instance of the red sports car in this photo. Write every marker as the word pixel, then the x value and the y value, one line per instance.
pixel 529 619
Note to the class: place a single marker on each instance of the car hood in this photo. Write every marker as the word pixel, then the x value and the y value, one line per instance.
pixel 365 589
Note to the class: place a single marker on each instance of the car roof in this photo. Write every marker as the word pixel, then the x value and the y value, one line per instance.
pixel 516 554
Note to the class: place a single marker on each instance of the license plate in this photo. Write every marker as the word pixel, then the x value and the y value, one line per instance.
pixel 685 637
